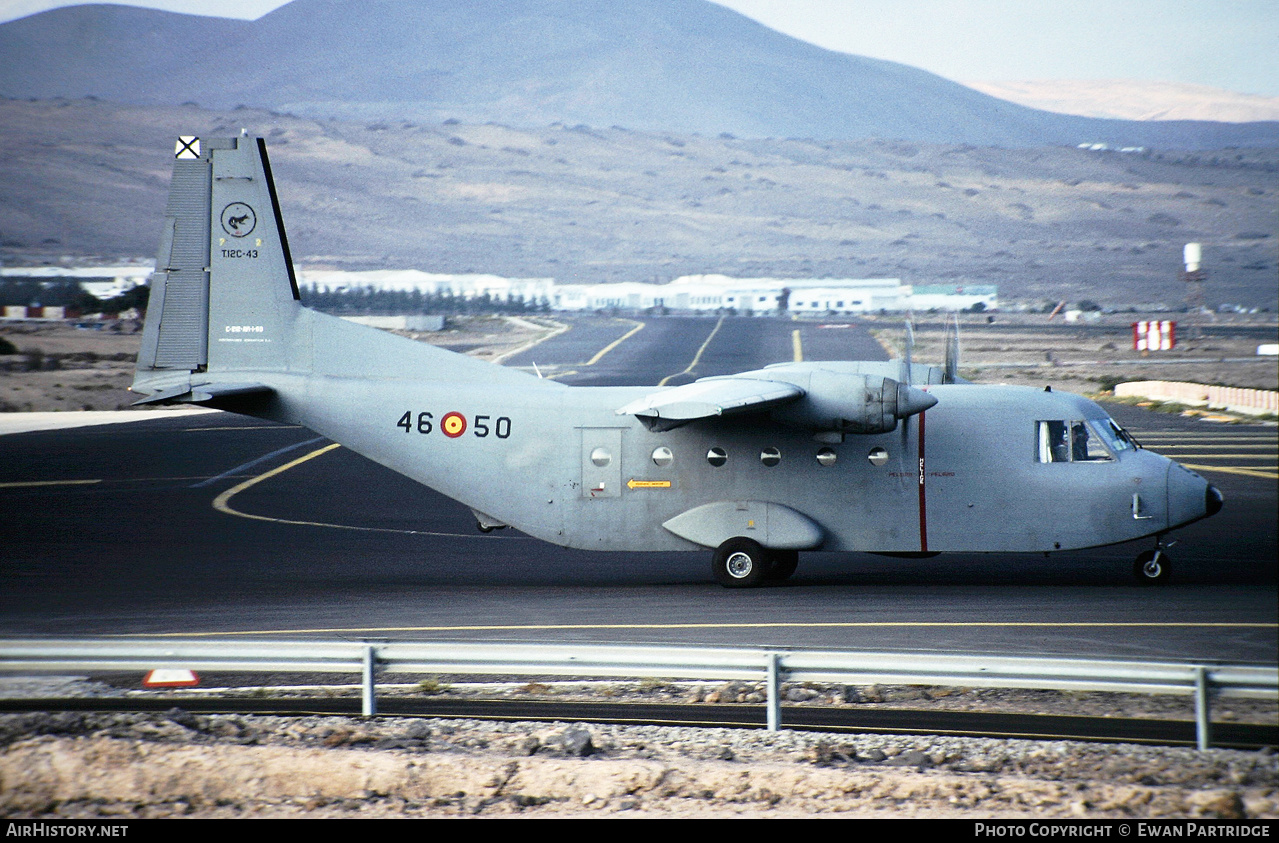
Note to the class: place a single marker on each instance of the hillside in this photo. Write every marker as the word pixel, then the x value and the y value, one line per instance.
pixel 653 65
pixel 581 204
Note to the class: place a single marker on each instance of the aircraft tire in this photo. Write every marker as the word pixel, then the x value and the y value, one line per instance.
pixel 740 563
pixel 782 563
pixel 1152 567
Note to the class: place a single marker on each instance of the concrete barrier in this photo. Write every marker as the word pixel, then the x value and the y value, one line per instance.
pixel 1252 402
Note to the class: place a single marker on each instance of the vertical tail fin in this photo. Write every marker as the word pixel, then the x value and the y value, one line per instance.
pixel 224 296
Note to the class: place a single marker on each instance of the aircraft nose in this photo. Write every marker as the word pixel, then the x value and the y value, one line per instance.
pixel 1190 497
pixel 1213 500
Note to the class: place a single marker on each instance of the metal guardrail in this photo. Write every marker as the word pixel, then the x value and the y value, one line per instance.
pixel 773 667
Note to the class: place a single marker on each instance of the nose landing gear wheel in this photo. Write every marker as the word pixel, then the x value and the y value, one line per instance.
pixel 1152 567
pixel 740 563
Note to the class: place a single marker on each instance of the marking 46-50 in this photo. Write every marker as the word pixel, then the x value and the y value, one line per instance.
pixel 454 424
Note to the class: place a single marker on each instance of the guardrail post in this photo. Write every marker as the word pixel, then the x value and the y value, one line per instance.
pixel 368 706
pixel 774 684
pixel 1203 719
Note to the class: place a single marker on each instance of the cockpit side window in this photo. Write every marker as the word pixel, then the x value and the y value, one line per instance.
pixel 1072 441
pixel 1053 444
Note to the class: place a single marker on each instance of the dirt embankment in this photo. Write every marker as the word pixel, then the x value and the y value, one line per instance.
pixel 180 764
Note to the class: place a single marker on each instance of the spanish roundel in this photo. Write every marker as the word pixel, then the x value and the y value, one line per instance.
pixel 453 425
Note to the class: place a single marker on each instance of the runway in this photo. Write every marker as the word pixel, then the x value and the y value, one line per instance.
pixel 217 524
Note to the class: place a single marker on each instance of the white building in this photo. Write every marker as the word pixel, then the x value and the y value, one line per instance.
pixel 104 282
pixel 954 297
pixel 798 295
pixel 688 293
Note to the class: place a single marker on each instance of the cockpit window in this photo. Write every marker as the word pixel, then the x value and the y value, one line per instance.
pixel 1072 441
pixel 1115 437
pixel 1086 444
pixel 1053 444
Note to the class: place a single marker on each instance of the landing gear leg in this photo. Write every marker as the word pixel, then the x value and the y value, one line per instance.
pixel 1153 567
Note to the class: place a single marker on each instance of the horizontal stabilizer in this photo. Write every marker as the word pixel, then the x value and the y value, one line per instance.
pixel 709 398
pixel 207 393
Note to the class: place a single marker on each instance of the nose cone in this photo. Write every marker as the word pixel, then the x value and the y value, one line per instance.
pixel 1190 497
pixel 1213 500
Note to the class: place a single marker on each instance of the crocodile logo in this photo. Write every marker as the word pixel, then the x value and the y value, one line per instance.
pixel 238 219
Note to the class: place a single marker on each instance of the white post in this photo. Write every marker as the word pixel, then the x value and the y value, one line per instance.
pixel 774 693
pixel 1203 719
pixel 368 706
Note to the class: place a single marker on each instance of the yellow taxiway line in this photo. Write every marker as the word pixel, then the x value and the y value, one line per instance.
pixel 1265 473
pixel 696 357
pixel 25 484
pixel 764 625
pixel 222 503
pixel 615 343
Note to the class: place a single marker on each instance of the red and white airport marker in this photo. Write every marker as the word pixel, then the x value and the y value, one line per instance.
pixel 170 678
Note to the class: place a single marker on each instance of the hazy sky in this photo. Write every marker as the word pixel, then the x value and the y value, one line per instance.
pixel 1231 44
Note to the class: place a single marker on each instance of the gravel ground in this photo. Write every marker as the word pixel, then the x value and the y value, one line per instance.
pixel 75 765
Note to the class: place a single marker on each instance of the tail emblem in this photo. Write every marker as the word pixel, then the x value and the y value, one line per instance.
pixel 238 219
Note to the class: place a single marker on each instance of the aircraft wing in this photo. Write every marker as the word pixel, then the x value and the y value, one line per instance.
pixel 709 398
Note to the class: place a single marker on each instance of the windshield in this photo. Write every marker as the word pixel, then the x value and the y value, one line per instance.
pixel 1079 440
pixel 1115 437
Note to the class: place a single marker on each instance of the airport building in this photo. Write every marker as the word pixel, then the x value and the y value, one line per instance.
pixel 816 296
pixel 687 294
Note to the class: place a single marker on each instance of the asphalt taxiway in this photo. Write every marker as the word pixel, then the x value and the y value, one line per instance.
pixel 216 524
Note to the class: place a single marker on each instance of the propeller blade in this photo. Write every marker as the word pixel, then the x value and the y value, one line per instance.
pixel 951 366
pixel 908 353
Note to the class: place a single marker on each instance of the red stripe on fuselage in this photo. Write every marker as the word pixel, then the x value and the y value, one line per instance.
pixel 923 505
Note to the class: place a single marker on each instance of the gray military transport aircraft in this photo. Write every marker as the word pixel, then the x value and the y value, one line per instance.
pixel 892 458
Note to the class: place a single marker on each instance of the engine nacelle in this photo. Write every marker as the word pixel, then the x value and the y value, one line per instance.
pixel 851 403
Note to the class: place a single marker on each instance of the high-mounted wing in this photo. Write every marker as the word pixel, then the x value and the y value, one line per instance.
pixel 709 398
pixel 822 397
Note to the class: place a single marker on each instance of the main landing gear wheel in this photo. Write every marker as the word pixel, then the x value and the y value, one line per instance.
pixel 740 563
pixel 1152 566
pixel 783 564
